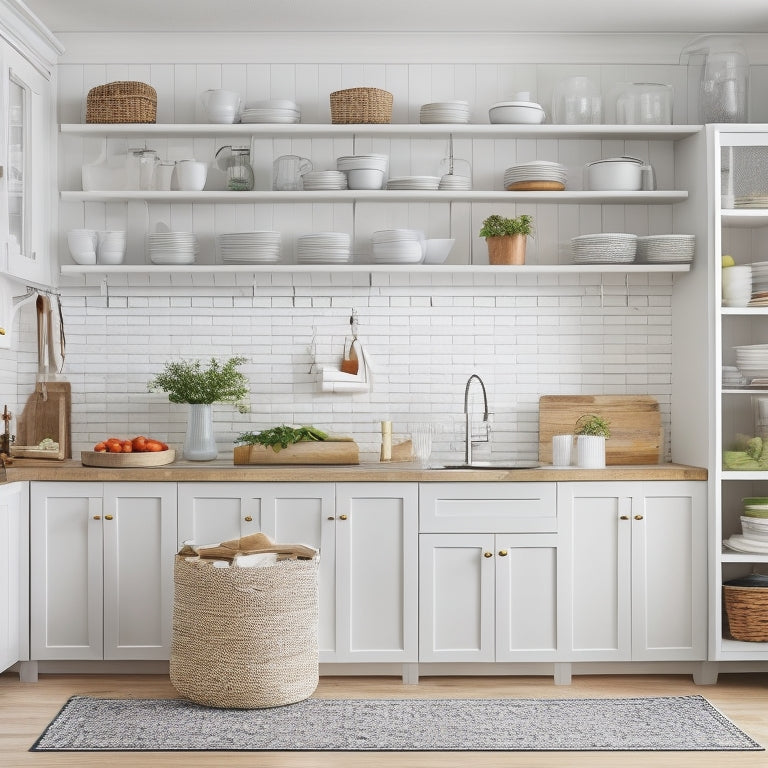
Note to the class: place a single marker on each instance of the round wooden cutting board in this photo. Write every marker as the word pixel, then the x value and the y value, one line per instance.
pixel 144 459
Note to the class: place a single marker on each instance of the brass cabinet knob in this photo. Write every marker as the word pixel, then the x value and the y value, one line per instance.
pixel 638 517
pixel 487 554
pixel 342 517
pixel 108 517
pixel 248 519
pixel 502 553
pixel 623 517
pixel 97 517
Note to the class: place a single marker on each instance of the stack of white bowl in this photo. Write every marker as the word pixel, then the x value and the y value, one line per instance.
pixel 82 245
pixel 444 112
pixel 249 247
pixel 536 174
pixel 414 182
pixel 737 285
pixel 732 377
pixel 364 171
pixel 172 247
pixel 752 361
pixel 604 248
pixel 271 111
pixel 452 181
pixel 519 112
pixel 398 246
pixel 318 180
pixel 666 249
pixel 323 248
pixel 110 247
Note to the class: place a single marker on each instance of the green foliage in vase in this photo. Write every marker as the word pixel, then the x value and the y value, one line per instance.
pixel 498 226
pixel 592 424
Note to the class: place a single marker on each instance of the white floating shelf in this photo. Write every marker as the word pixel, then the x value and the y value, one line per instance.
pixel 745 217
pixel 669 132
pixel 381 196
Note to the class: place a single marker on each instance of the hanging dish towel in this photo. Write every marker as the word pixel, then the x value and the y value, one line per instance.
pixel 335 380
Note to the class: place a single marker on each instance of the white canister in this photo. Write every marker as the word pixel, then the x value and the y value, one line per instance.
pixel 620 174
pixel 590 451
pixel 562 449
pixel 164 176
pixel 190 175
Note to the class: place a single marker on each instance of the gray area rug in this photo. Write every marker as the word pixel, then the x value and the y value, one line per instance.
pixel 678 723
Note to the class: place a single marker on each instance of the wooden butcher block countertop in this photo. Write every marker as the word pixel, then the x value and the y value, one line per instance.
pixel 223 470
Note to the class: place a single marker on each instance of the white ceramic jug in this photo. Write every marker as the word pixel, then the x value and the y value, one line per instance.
pixel 288 171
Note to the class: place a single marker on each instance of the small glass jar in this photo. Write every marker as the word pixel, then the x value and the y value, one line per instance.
pixel 239 171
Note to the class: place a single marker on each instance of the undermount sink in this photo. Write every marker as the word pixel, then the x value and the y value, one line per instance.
pixel 493 465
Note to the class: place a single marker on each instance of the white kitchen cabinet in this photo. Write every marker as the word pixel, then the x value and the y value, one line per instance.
pixel 102 570
pixel 28 162
pixel 636 570
pixel 14 574
pixel 489 586
pixel 366 535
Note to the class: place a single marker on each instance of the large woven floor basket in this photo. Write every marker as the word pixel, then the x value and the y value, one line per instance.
pixel 361 105
pixel 124 101
pixel 747 611
pixel 245 637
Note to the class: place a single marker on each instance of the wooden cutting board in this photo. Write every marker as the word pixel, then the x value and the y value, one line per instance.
pixel 306 452
pixel 47 413
pixel 637 435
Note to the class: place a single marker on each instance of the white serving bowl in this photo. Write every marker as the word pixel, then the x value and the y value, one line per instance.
pixel 620 174
pixel 82 245
pixel 437 250
pixel 524 112
pixel 754 528
pixel 84 258
pixel 365 178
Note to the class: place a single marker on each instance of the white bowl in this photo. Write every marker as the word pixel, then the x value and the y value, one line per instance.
pixel 365 178
pixel 85 258
pixel 437 250
pixel 621 174
pixel 525 112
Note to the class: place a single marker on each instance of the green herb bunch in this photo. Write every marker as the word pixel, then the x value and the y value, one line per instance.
pixel 592 424
pixel 186 381
pixel 498 226
pixel 281 437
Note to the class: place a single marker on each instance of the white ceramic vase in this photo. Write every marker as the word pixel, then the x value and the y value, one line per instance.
pixel 200 443
pixel 590 451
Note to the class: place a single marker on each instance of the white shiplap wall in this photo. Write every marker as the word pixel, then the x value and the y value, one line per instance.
pixel 526 335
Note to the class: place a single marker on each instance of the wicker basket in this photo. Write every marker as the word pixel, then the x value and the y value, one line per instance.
pixel 245 638
pixel 123 101
pixel 747 611
pixel 361 105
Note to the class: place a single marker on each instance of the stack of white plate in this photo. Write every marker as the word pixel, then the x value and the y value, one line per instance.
pixel 414 182
pixel 604 248
pixel 249 247
pixel 271 111
pixel 444 112
pixel 398 246
pixel 666 249
pixel 323 248
pixel 759 284
pixel 452 181
pixel 752 361
pixel 732 377
pixel 172 247
pixel 536 175
pixel 315 180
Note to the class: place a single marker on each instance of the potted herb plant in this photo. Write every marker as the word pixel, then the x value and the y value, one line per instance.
pixel 591 433
pixel 187 381
pixel 506 238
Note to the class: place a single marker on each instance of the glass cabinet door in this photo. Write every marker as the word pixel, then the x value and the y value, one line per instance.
pixel 18 124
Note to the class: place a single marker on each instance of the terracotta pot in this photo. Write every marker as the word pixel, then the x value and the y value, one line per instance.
pixel 509 249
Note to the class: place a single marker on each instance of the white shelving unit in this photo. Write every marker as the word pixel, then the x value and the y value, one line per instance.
pixel 454 200
pixel 741 233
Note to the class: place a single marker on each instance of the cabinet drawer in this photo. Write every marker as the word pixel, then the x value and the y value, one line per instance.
pixel 487 508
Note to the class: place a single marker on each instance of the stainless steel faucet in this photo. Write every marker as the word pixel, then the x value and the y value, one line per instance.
pixel 468 418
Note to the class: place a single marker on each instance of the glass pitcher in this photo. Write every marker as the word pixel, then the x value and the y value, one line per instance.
pixel 239 171
pixel 288 172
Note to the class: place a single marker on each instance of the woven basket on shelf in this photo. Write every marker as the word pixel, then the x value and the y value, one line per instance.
pixel 124 101
pixel 245 638
pixel 747 611
pixel 361 105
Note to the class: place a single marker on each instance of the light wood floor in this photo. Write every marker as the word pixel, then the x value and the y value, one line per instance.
pixel 26 708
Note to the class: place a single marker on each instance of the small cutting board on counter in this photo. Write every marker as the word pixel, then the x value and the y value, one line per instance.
pixel 637 436
pixel 336 451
